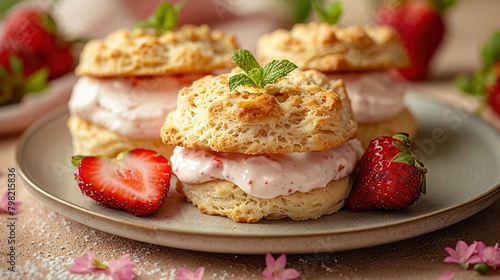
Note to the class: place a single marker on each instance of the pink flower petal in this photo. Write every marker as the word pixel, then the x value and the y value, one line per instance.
pixel 280 263
pixel 275 269
pixel 186 274
pixel 448 275
pixel 84 264
pixel 198 274
pixel 122 269
pixel 289 273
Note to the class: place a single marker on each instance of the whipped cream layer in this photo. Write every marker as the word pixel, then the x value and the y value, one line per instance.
pixel 132 107
pixel 270 175
pixel 375 96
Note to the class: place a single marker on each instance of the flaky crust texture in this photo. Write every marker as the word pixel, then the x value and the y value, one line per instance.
pixel 327 48
pixel 302 111
pixel 137 52
pixel 226 199
pixel 90 139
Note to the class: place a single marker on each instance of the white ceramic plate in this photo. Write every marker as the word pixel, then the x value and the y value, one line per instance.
pixel 461 151
pixel 16 117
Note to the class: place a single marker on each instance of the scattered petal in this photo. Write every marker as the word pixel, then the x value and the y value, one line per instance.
pixel 122 269
pixel 490 256
pixel 462 254
pixel 275 269
pixel 87 264
pixel 448 275
pixel 186 274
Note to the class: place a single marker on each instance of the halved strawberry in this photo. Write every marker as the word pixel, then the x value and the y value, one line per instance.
pixel 136 181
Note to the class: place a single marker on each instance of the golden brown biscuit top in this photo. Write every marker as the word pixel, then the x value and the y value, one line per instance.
pixel 327 48
pixel 137 52
pixel 300 112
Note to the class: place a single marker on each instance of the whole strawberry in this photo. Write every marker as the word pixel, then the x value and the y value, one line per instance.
pixel 421 28
pixel 32 27
pixel 136 181
pixel 389 176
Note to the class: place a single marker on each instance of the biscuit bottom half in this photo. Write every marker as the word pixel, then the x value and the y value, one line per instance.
pixel 91 139
pixel 403 122
pixel 224 198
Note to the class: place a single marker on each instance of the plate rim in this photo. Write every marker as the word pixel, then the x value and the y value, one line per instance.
pixel 55 202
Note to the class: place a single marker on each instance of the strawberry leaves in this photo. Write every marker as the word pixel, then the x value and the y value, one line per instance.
pixel 409 157
pixel 14 85
pixel 257 76
pixel 487 76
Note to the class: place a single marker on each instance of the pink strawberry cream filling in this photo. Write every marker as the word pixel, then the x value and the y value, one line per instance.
pixel 270 175
pixel 132 107
pixel 375 96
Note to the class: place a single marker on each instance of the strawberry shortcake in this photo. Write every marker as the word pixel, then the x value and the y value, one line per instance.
pixel 285 149
pixel 361 57
pixel 129 81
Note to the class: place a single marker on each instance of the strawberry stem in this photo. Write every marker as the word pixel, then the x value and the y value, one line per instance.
pixel 403 137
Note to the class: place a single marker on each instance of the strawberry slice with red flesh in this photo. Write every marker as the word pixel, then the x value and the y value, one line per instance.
pixel 389 176
pixel 136 181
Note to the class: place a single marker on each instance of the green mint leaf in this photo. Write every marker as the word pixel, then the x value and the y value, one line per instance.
pixel 240 80
pixel 330 14
pixel 165 18
pixel 255 74
pixel 37 82
pixel 244 59
pixel 277 69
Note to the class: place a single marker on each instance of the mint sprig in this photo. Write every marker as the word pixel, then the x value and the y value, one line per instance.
pixel 329 14
pixel 165 18
pixel 255 75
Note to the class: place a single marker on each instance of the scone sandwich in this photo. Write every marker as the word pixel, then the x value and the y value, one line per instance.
pixel 361 56
pixel 265 144
pixel 129 81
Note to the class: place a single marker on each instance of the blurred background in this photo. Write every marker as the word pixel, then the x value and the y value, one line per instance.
pixel 467 26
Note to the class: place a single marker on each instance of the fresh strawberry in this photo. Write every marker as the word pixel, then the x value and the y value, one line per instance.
pixel 485 83
pixel 30 37
pixel 33 28
pixel 389 176
pixel 421 28
pixel 136 181
pixel 494 97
